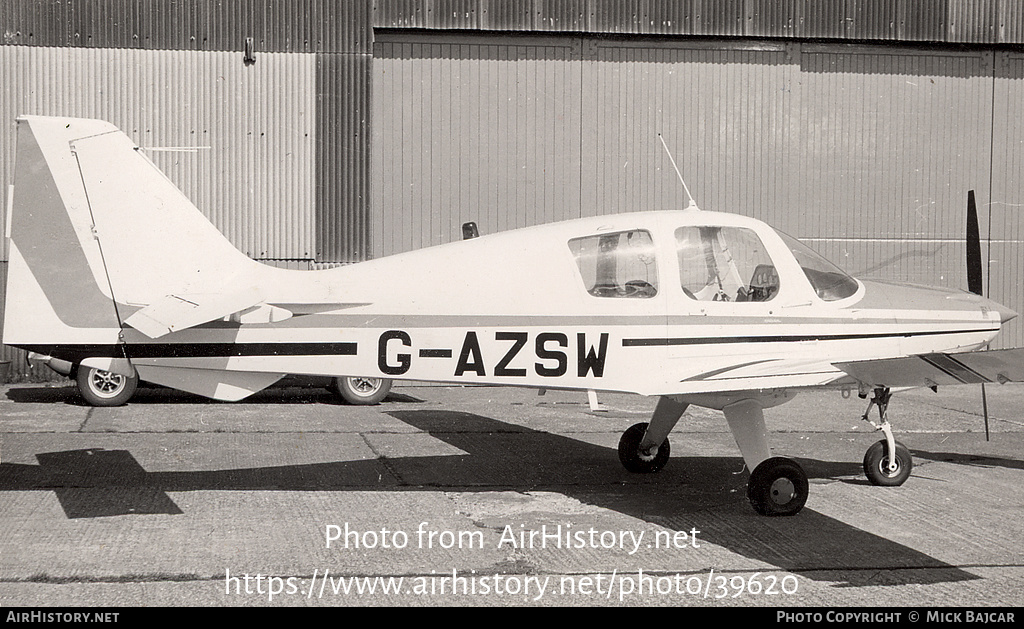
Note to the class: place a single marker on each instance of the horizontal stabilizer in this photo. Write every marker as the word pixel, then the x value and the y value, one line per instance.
pixel 179 312
pixel 218 384
pixel 1002 366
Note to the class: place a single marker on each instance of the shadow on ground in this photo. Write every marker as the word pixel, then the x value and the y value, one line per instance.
pixel 287 393
pixel 702 492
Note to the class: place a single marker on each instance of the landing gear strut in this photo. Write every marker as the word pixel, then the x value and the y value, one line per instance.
pixel 778 486
pixel 644 448
pixel 888 462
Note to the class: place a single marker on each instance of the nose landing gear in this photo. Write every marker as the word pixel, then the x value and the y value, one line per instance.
pixel 887 463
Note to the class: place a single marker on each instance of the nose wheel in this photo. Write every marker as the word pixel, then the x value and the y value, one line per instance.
pixel 886 471
pixel 887 463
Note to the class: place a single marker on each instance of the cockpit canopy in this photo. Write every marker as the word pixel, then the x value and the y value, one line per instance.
pixel 724 263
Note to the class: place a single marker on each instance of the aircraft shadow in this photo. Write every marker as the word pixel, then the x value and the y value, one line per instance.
pixel 702 492
pixel 973 460
pixel 154 394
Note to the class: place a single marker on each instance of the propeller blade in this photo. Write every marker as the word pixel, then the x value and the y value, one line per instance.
pixel 974 268
pixel 975 281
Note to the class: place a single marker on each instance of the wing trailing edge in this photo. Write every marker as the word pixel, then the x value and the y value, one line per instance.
pixel 1002 366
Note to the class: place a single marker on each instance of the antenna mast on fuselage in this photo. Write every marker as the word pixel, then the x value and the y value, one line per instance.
pixel 693 204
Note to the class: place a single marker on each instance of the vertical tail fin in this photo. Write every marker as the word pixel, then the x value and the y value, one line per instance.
pixel 153 239
pixel 55 269
pixel 97 231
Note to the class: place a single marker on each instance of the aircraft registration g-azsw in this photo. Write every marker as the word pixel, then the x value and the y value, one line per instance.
pixel 114 276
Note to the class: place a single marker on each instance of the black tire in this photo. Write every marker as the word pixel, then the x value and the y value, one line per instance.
pixel 361 391
pixel 105 388
pixel 876 465
pixel 635 461
pixel 777 487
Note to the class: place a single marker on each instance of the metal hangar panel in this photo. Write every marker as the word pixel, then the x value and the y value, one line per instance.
pixel 864 151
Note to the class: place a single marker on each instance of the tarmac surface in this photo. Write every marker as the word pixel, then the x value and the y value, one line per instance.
pixel 495 496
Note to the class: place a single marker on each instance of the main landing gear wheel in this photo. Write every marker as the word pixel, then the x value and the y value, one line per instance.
pixel 634 459
pixel 361 391
pixel 777 486
pixel 105 388
pixel 876 465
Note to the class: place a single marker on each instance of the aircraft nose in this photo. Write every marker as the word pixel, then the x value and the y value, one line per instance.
pixel 988 305
pixel 1005 314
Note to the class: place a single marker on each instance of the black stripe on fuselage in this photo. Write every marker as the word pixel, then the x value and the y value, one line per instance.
pixel 193 350
pixel 228 350
pixel 713 340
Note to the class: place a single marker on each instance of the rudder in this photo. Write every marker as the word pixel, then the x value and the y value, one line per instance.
pixel 98 231
pixel 55 266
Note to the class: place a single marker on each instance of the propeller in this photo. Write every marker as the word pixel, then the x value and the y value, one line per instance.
pixel 974 270
pixel 975 278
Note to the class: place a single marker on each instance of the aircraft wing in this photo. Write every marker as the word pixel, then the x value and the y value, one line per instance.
pixel 178 312
pixel 753 375
pixel 925 370
pixel 1003 365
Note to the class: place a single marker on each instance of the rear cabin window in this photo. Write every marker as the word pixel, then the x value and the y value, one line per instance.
pixel 725 264
pixel 617 265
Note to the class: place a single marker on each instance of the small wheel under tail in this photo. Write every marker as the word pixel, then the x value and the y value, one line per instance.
pixel 361 391
pixel 105 388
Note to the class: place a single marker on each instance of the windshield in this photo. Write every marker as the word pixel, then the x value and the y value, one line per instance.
pixel 829 281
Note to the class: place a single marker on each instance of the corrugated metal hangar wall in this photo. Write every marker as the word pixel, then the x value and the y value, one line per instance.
pixel 368 128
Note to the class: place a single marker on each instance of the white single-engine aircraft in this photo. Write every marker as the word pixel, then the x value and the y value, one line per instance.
pixel 115 276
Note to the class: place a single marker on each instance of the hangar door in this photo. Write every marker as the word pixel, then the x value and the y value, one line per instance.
pixel 864 152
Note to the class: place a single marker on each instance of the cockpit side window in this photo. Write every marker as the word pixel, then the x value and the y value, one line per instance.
pixel 620 264
pixel 725 264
